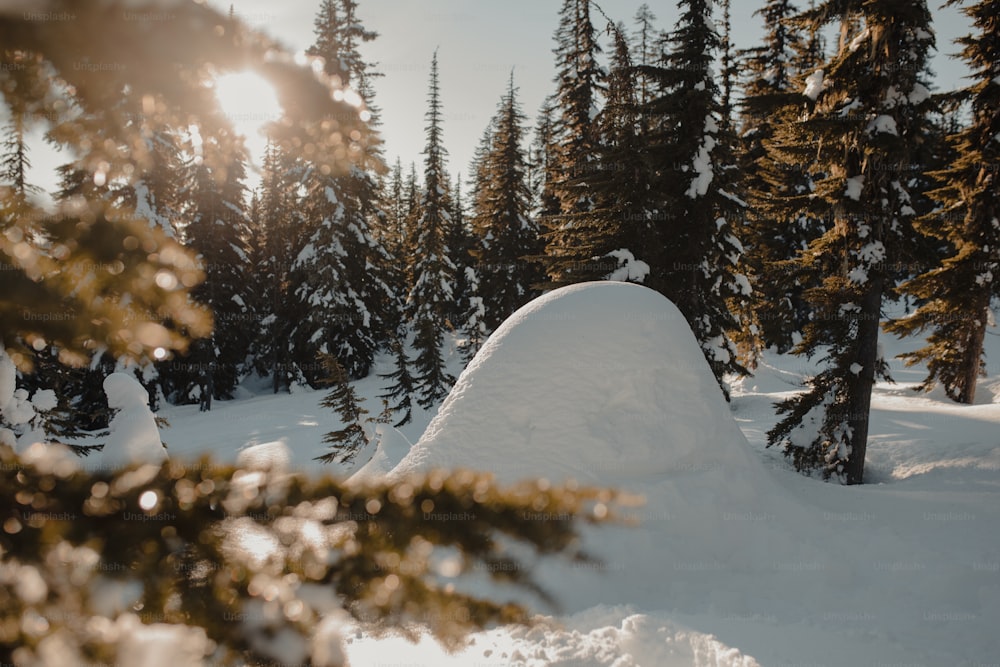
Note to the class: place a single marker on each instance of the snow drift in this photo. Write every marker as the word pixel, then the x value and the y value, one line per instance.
pixel 601 382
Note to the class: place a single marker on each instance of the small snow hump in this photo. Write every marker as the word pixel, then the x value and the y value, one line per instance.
pixel 600 382
pixel 134 436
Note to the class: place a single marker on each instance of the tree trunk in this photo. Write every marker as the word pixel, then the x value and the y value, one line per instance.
pixel 973 356
pixel 859 405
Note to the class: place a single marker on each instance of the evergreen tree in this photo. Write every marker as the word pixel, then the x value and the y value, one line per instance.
pixel 575 145
pixel 92 111
pixel 281 222
pixel 218 229
pixel 474 329
pixel 432 291
pixel 645 39
pixel 347 442
pixel 777 177
pixel 543 165
pixel 696 262
pixel 204 593
pixel 460 249
pixel 957 295
pixel 870 106
pixel 393 234
pixel 403 386
pixel 343 298
pixel 506 235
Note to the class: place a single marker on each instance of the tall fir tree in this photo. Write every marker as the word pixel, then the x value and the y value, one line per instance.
pixel 778 176
pixel 575 141
pixel 217 228
pixel 697 260
pixel 432 292
pixel 337 277
pixel 543 167
pixel 278 244
pixel 645 39
pixel 506 235
pixel 869 111
pixel 956 296
pixel 460 247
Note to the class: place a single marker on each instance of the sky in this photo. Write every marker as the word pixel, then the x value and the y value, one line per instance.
pixel 479 42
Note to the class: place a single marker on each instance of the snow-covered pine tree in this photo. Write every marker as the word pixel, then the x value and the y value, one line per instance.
pixel 92 112
pixel 343 297
pixel 432 292
pixel 346 442
pixel 870 108
pixel 696 263
pixel 956 296
pixel 278 244
pixel 506 235
pixel 474 329
pixel 575 141
pixel 399 395
pixel 777 176
pixel 460 248
pixel 392 235
pixel 217 228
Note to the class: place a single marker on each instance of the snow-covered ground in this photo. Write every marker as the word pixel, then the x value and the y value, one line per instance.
pixel 735 559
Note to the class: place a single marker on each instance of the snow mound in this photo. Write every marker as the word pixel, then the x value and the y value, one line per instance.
pixel 601 382
pixel 134 436
pixel 124 391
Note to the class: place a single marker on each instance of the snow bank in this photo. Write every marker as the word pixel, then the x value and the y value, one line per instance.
pixel 601 382
pixel 134 436
pixel 604 383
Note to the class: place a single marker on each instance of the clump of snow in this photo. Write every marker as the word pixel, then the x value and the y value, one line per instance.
pixel 702 164
pixel 603 636
pixel 853 187
pixel 18 409
pixel 883 124
pixel 814 85
pixel 134 436
pixel 160 644
pixel 629 268
pixel 44 400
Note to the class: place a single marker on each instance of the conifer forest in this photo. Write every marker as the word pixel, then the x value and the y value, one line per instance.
pixel 709 335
